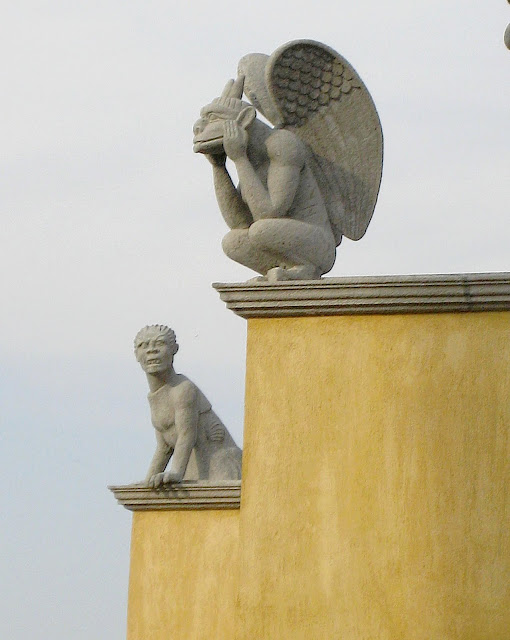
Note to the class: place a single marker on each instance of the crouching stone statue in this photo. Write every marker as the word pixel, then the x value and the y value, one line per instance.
pixel 187 430
pixel 308 180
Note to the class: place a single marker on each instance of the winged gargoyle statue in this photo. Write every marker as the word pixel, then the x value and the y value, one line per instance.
pixel 308 181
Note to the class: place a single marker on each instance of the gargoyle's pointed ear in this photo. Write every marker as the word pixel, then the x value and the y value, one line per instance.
pixel 246 117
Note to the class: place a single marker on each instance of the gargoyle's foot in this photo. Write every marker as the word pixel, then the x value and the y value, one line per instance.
pixel 257 279
pixel 299 272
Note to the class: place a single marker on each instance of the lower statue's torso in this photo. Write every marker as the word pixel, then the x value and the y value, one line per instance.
pixel 215 456
pixel 162 404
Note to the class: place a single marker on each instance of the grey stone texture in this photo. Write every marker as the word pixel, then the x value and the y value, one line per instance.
pixel 304 183
pixel 188 432
pixel 370 295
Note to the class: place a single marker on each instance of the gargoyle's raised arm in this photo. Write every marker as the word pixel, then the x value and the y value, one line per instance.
pixel 234 211
pixel 286 159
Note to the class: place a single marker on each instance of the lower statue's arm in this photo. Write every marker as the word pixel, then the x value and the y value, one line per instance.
pixel 186 422
pixel 159 461
pixel 234 211
pixel 182 453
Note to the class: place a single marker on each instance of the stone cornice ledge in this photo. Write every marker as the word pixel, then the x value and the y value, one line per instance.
pixel 183 496
pixel 369 295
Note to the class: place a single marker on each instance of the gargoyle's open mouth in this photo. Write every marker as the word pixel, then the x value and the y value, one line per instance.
pixel 203 146
pixel 153 361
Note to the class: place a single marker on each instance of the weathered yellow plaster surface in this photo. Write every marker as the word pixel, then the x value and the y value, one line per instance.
pixel 183 579
pixel 376 479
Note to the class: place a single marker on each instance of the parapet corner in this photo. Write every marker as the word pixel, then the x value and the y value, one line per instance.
pixel 366 295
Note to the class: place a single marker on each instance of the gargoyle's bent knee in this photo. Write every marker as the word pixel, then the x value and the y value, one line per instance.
pixel 295 241
pixel 233 243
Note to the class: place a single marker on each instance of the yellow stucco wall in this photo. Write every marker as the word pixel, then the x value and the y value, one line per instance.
pixel 376 479
pixel 376 492
pixel 183 574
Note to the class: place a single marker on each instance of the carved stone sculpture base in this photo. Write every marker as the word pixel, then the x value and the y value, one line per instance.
pixel 375 482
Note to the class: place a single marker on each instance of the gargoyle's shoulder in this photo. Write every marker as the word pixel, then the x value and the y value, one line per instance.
pixel 185 393
pixel 286 146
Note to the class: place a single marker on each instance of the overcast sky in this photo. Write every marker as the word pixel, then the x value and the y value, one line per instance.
pixel 109 223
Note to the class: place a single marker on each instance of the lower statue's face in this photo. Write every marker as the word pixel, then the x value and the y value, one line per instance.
pixel 155 355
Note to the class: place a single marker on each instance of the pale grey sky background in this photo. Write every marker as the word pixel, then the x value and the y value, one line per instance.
pixel 109 222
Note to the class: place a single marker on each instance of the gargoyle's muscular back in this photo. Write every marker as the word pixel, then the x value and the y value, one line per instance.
pixel 278 161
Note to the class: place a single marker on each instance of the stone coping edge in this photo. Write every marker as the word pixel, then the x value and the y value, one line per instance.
pixel 451 293
pixel 186 495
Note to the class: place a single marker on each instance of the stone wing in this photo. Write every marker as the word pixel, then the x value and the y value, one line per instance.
pixel 322 99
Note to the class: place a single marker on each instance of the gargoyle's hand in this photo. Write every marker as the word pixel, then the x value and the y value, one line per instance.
pixel 235 140
pixel 217 159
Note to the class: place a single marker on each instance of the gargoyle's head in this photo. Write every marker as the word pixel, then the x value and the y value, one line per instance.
pixel 208 129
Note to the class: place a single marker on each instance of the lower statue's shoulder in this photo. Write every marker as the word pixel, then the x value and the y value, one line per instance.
pixel 185 391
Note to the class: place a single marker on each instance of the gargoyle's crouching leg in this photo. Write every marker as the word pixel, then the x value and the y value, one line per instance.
pixel 238 246
pixel 306 251
pixel 301 250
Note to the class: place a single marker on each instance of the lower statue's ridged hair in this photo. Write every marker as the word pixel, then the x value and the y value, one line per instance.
pixel 153 330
